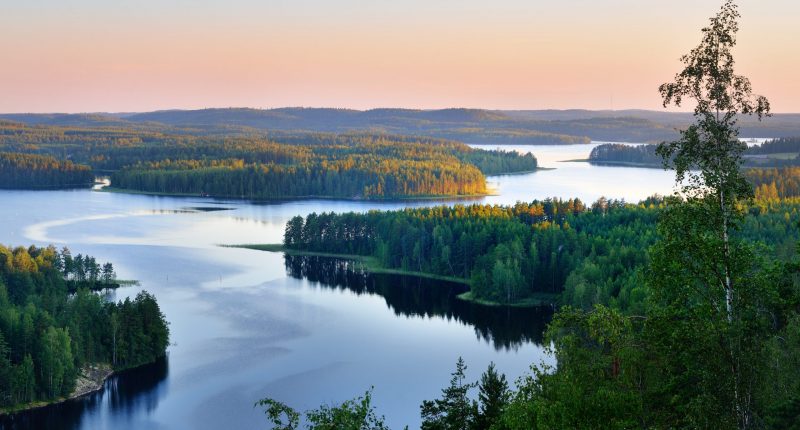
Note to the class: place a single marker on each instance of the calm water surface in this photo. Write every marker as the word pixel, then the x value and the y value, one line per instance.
pixel 247 324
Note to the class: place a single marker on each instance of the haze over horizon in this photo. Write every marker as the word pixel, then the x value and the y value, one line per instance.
pixel 135 56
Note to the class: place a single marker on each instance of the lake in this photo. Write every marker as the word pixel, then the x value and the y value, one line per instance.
pixel 249 324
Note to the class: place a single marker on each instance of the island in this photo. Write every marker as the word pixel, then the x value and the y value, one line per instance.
pixel 58 338
pixel 252 165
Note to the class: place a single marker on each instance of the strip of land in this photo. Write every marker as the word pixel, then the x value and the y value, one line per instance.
pixel 372 265
pixel 539 299
pixel 490 192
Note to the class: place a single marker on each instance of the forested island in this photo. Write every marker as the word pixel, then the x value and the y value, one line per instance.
pixel 781 152
pixel 356 166
pixel 57 336
pixel 353 165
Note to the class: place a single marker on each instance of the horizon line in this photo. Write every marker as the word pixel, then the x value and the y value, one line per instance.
pixel 664 111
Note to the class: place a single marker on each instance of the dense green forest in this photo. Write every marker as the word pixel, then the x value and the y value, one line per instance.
pixel 777 146
pixel 355 177
pixel 625 154
pixel 298 165
pixel 31 171
pixel 48 332
pixel 586 255
pixel 772 153
pixel 357 166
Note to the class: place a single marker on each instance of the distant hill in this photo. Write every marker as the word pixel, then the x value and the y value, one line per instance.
pixel 467 125
pixel 66 120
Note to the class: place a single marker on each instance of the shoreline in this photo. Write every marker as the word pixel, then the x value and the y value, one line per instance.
pixel 91 379
pixel 659 167
pixel 489 193
pixel 538 300
pixel 110 189
pixel 521 172
pixel 51 187
pixel 373 266
pixel 370 263
pixel 614 163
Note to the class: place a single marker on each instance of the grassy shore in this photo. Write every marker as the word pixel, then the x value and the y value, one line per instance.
pixel 372 265
pixel 539 299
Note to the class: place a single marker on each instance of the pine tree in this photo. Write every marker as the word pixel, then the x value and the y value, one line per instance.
pixel 454 410
pixel 493 395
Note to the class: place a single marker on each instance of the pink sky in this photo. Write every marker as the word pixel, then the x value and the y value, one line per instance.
pixel 93 55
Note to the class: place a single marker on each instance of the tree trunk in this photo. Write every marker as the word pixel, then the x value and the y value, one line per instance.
pixel 726 260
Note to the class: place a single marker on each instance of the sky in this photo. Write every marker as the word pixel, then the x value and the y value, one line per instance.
pixel 142 55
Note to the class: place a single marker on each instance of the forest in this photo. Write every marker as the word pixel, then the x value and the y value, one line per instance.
pixel 52 325
pixel 29 171
pixel 625 154
pixel 775 183
pixel 355 165
pixel 583 255
pixel 781 152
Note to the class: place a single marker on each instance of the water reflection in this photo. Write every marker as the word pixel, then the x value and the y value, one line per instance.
pixel 504 327
pixel 138 390
pixel 130 394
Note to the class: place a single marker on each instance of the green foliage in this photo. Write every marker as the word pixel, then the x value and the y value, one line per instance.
pixel 281 416
pixel 783 152
pixel 777 146
pixel 354 414
pixel 454 410
pixel 40 171
pixel 462 241
pixel 625 154
pixel 721 288
pixel 493 396
pixel 251 165
pixel 357 414
pixel 779 392
pixel 140 334
pixel 509 253
pixel 595 384
pixel 498 162
pixel 357 176
pixel 49 330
